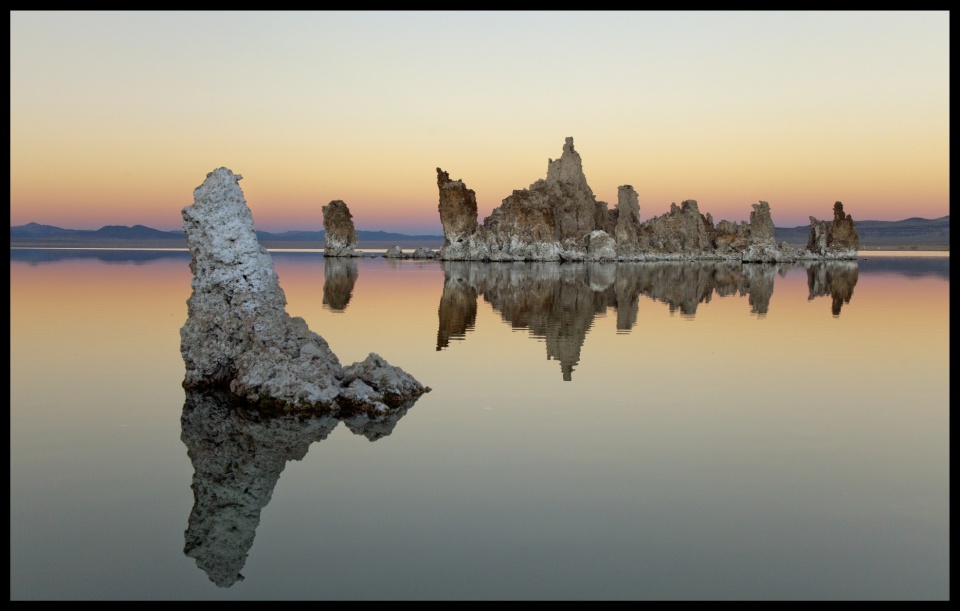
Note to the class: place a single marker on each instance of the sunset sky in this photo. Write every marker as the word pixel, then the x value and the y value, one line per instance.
pixel 116 117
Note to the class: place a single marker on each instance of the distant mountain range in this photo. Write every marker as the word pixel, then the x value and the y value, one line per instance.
pixel 37 235
pixel 912 233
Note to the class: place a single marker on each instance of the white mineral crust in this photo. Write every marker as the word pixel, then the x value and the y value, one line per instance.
pixel 238 335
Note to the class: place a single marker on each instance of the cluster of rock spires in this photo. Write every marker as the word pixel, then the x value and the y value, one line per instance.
pixel 560 219
pixel 238 336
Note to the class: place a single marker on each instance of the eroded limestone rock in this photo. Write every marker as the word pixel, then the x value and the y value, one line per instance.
pixel 628 227
pixel 458 209
pixel 557 219
pixel 423 253
pixel 340 237
pixel 836 239
pixel 238 336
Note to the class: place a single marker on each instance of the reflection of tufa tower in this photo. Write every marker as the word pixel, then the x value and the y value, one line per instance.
pixel 558 302
pixel 834 278
pixel 339 278
pixel 237 459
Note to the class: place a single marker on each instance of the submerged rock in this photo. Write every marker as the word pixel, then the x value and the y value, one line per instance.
pixel 238 336
pixel 559 219
pixel 423 253
pixel 339 237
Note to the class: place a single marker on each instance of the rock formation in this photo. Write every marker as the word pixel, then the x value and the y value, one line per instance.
pixel 560 219
pixel 423 253
pixel 628 228
pixel 238 336
pixel 394 252
pixel 339 236
pixel 458 209
pixel 836 239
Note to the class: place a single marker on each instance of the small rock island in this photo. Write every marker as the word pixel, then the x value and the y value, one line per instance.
pixel 560 219
pixel 339 235
pixel 238 337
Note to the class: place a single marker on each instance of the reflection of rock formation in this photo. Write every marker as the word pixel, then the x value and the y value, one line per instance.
pixel 237 456
pixel 238 335
pixel 339 236
pixel 558 302
pixel 458 305
pixel 339 276
pixel 559 219
pixel 683 286
pixel 834 278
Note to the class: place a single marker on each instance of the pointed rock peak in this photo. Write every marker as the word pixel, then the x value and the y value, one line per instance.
pixel 444 181
pixel 838 214
pixel 569 168
pixel 627 198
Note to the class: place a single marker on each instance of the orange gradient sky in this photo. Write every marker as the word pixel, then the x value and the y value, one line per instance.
pixel 117 116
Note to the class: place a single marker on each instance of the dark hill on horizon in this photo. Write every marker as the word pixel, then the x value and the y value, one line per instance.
pixel 139 236
pixel 908 234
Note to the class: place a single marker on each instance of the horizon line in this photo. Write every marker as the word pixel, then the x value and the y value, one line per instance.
pixel 411 234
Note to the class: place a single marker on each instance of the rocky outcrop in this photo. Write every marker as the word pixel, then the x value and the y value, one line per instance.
pixel 682 231
pixel 836 239
pixel 423 253
pixel 628 227
pixel 458 209
pixel 559 219
pixel 238 336
pixel 339 237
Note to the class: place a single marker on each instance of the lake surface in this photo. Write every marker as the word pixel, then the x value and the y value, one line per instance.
pixel 594 431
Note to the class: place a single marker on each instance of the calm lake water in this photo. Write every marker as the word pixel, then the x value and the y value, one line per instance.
pixel 594 431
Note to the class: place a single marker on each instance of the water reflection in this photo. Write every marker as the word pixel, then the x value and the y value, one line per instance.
pixel 339 277
pixel 558 302
pixel 36 256
pixel 836 280
pixel 237 457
